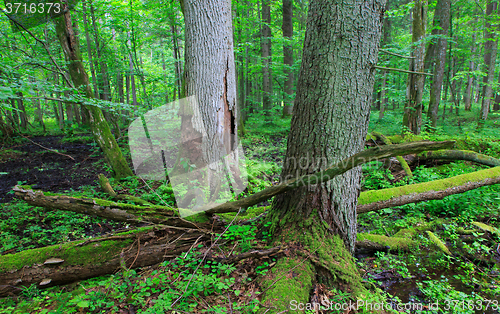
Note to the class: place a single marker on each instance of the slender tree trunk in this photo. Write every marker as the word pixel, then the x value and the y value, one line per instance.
pixel 383 97
pixel 103 82
pixel 412 119
pixel 469 90
pixel 89 50
pixel 267 87
pixel 22 111
pixel 132 81
pixel 490 55
pixel 177 57
pixel 436 57
pixel 330 121
pixel 99 126
pixel 288 55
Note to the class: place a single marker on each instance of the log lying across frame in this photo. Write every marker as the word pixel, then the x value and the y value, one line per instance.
pixel 434 190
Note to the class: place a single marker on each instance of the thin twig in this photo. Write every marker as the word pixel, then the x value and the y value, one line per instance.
pixel 45 47
pixel 401 70
pixel 204 257
pixel 138 250
pixel 395 54
pixel 49 149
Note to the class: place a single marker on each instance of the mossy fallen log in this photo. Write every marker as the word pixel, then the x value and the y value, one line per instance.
pixel 328 174
pixel 377 242
pixel 460 155
pixel 440 244
pixel 434 190
pixel 78 260
pixel 486 227
pixel 107 209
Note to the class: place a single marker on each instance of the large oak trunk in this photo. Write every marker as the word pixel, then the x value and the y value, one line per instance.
pixel 329 122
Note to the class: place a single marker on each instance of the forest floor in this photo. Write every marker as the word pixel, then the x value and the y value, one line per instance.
pixel 421 276
pixel 53 165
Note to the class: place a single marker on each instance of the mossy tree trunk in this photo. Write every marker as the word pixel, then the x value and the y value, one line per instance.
pixel 330 121
pixel 99 125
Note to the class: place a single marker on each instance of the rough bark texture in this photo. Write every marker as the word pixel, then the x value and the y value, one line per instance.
pixel 288 56
pixel 413 111
pixel 267 86
pixel 332 109
pixel 210 76
pixel 330 121
pixel 436 56
pixel 435 190
pixel 100 128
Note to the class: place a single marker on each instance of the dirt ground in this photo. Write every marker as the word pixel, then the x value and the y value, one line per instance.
pixel 47 170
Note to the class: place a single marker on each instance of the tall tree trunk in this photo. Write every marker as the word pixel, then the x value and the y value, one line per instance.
pixel 210 76
pixel 103 82
pixel 177 57
pixel 267 87
pixel 132 81
pixel 383 97
pixel 22 111
pixel 490 55
pixel 469 90
pixel 89 50
pixel 330 121
pixel 288 55
pixel 100 128
pixel 412 119
pixel 436 56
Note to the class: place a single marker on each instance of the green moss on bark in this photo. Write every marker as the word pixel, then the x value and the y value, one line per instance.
pixel 93 253
pixel 368 197
pixel 395 243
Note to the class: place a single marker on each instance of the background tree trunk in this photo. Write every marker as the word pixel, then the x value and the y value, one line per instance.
pixel 490 55
pixel 288 56
pixel 413 111
pixel 267 87
pixel 436 57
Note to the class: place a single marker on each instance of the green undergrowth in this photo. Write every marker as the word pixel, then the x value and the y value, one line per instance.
pixel 25 227
pixel 176 285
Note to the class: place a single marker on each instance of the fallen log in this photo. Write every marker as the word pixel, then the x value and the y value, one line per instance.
pixel 137 214
pixel 78 260
pixel 434 190
pixel 460 155
pixel 168 215
pixel 345 165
